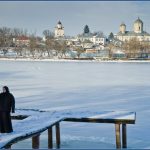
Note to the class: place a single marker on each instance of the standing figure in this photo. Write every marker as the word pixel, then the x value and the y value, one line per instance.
pixel 7 105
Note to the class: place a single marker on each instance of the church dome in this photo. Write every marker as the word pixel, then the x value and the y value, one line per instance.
pixel 59 22
pixel 59 25
pixel 122 24
pixel 138 26
pixel 138 21
pixel 123 28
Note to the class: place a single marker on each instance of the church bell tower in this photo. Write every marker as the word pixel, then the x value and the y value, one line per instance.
pixel 59 30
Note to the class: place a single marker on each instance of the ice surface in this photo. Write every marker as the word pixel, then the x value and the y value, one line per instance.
pixel 98 86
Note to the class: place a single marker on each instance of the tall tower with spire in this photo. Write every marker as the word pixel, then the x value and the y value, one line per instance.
pixel 59 30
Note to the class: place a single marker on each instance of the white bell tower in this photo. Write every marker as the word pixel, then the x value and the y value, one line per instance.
pixel 59 30
pixel 138 26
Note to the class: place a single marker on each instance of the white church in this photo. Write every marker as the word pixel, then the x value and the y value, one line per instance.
pixel 59 30
pixel 137 32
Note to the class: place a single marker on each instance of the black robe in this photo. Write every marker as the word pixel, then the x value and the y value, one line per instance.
pixel 7 104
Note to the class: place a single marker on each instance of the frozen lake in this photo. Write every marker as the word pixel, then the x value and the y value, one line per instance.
pixel 83 85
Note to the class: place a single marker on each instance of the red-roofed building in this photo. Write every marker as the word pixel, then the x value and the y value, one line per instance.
pixel 21 40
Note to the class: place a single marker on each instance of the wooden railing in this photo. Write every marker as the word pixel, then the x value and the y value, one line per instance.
pixel 36 135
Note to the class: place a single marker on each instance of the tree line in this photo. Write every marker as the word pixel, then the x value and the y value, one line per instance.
pixel 132 48
pixel 35 45
pixel 51 47
pixel 135 48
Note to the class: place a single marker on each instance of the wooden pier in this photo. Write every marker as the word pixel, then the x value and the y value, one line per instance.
pixel 119 119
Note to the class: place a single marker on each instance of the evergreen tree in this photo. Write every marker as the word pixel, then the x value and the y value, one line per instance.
pixel 86 29
pixel 111 36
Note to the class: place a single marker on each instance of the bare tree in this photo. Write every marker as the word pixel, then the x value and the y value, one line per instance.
pixel 48 34
pixel 50 46
pixel 61 48
pixel 5 39
pixel 17 32
pixel 18 49
pixel 33 46
pixel 49 42
pixel 79 51
pixel 132 47
pixel 111 46
pixel 144 48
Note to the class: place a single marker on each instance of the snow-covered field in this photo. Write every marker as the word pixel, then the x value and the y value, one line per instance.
pixel 98 86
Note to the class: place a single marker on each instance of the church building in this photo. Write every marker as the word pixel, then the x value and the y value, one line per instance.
pixel 59 30
pixel 138 32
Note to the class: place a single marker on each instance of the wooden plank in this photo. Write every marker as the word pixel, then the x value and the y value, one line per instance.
pixel 36 141
pixel 118 141
pixel 98 120
pixel 124 136
pixel 19 117
pixel 57 135
pixel 24 137
pixel 50 138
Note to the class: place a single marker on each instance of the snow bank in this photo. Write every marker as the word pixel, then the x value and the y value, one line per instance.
pixel 71 60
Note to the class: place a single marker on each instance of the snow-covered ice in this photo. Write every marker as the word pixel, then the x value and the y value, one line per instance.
pixel 98 86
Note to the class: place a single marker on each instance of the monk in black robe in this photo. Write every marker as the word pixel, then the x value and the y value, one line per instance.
pixel 7 105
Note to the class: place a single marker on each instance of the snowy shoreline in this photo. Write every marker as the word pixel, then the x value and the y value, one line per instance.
pixel 70 60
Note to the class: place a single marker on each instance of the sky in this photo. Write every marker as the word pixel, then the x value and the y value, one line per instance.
pixel 105 16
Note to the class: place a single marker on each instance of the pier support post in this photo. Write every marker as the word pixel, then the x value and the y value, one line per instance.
pixel 118 142
pixel 36 141
pixel 124 136
pixel 58 135
pixel 50 138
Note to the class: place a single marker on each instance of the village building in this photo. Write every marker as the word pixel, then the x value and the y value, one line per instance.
pixel 21 41
pixel 92 37
pixel 138 32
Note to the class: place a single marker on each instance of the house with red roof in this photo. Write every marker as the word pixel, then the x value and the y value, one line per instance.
pixel 21 40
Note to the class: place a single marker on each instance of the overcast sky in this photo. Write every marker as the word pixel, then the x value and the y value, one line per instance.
pixel 103 16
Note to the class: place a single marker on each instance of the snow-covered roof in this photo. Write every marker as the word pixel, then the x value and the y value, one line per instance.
pixel 41 120
pixel 132 33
